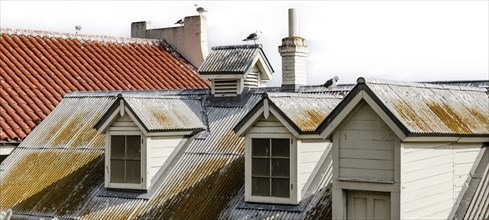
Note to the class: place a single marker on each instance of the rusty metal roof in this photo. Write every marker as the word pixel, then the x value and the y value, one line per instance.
pixel 306 111
pixel 236 59
pixel 435 109
pixel 160 114
pixel 58 170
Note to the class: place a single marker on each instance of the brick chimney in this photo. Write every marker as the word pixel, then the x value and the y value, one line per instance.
pixel 190 40
pixel 294 56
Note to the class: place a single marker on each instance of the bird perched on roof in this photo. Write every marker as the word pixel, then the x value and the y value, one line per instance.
pixel 78 29
pixel 331 83
pixel 180 22
pixel 253 36
pixel 200 9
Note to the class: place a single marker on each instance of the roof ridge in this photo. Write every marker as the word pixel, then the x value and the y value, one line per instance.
pixel 242 46
pixel 82 37
pixel 421 85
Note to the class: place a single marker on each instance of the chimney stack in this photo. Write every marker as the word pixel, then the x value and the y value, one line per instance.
pixel 294 56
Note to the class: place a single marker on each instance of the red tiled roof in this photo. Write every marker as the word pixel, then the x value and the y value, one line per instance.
pixel 38 68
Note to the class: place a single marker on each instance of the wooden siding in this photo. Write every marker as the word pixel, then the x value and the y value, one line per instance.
pixel 366 147
pixel 310 153
pixel 433 175
pixel 270 126
pixel 253 78
pixel 160 148
pixel 124 123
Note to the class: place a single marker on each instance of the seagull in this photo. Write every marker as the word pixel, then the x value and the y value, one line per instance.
pixel 331 83
pixel 180 22
pixel 200 9
pixel 78 29
pixel 253 36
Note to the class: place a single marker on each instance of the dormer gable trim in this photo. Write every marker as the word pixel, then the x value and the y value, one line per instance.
pixel 120 107
pixel 264 108
pixel 362 92
pixel 341 113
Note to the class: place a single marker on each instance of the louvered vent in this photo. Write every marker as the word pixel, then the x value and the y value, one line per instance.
pixel 252 80
pixel 225 87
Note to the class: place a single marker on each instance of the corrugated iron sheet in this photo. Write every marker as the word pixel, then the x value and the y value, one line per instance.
pixel 440 109
pixel 307 112
pixel 48 178
pixel 230 59
pixel 168 113
pixel 479 204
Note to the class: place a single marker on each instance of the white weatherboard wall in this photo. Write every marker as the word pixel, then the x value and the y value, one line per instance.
pixel 366 161
pixel 124 123
pixel 433 175
pixel 310 153
pixel 271 125
pixel 159 150
pixel 366 147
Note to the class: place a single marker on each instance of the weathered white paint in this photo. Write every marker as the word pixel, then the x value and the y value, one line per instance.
pixel 160 149
pixel 190 40
pixel 433 175
pixel 310 154
pixel 366 147
pixel 124 123
pixel 252 80
pixel 366 158
pixel 225 87
pixel 271 125
pixel 368 205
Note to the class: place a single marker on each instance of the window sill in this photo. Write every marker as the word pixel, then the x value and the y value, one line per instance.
pixel 126 193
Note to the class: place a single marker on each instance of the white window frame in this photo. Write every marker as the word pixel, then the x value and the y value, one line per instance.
pixel 108 184
pixel 293 194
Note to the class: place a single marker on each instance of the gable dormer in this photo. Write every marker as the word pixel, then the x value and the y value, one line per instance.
pixel 143 135
pixel 283 154
pixel 233 69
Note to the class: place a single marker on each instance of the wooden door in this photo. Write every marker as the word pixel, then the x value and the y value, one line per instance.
pixel 368 205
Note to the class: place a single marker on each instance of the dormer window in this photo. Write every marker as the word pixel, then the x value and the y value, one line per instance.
pixel 125 161
pixel 270 167
pixel 143 137
pixel 271 164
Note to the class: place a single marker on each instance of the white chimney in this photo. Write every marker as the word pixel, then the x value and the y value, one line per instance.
pixel 294 56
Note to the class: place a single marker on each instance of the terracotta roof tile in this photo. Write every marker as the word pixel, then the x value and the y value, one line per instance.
pixel 37 69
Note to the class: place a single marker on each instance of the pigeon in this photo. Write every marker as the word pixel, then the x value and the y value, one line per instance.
pixel 180 22
pixel 200 9
pixel 331 83
pixel 253 36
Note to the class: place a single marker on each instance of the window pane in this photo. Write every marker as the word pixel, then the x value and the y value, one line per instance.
pixel 280 167
pixel 133 170
pixel 117 147
pixel 280 187
pixel 117 171
pixel 260 147
pixel 134 147
pixel 260 186
pixel 280 147
pixel 260 167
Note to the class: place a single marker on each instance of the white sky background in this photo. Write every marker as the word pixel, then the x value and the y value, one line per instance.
pixel 395 40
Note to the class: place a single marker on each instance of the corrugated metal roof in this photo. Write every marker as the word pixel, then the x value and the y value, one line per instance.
pixel 49 178
pixel 158 114
pixel 307 112
pixel 435 109
pixel 232 59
